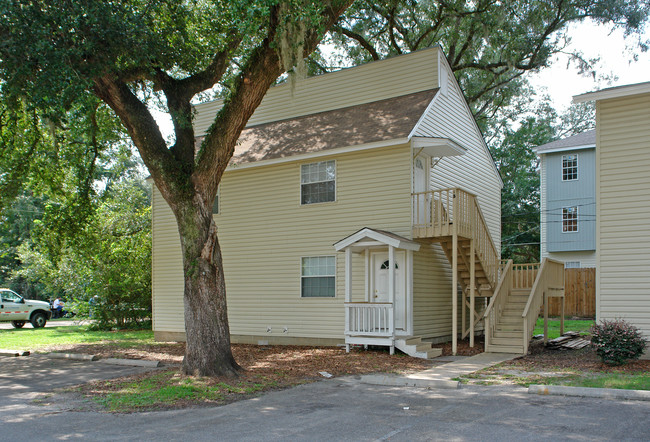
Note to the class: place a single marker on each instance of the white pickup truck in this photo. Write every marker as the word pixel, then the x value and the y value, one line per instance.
pixel 18 310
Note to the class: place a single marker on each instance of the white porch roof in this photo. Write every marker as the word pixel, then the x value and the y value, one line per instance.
pixel 367 238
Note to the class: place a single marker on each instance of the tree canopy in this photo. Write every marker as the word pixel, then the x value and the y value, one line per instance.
pixel 128 54
pixel 489 44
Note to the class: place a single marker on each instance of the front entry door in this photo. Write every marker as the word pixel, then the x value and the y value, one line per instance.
pixel 379 289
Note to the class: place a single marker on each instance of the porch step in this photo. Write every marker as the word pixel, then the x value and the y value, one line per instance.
pixel 511 334
pixel 516 349
pixel 414 347
pixel 507 341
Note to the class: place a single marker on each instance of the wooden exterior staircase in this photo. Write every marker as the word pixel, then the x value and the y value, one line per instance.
pixel 522 291
pixel 453 218
pixel 516 292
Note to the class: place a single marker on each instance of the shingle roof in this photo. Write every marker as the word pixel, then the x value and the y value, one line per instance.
pixel 356 125
pixel 587 138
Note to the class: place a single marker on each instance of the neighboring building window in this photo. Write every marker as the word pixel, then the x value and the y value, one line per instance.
pixel 569 167
pixel 572 265
pixel 318 182
pixel 318 278
pixel 569 219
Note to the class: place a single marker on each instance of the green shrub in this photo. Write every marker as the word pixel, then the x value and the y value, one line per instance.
pixel 617 341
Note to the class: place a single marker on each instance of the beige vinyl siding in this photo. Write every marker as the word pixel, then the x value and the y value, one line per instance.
pixel 264 232
pixel 370 82
pixel 431 292
pixel 166 268
pixel 450 117
pixel 623 192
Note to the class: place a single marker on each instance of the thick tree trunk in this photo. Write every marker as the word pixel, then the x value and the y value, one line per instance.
pixel 207 351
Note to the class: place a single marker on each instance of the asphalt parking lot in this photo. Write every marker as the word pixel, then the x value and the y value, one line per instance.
pixel 334 409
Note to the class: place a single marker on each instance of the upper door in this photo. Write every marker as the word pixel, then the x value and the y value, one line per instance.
pixel 420 184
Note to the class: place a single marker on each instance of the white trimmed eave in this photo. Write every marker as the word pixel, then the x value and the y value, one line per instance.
pixel 437 147
pixel 563 149
pixel 614 92
pixel 368 238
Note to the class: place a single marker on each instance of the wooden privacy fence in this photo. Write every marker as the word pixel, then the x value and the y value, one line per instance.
pixel 579 294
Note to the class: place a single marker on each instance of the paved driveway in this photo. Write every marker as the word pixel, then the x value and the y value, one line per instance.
pixel 50 323
pixel 328 410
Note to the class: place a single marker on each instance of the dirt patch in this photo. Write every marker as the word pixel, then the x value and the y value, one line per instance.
pixel 265 368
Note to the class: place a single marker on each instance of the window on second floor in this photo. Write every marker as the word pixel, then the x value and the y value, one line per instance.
pixel 569 167
pixel 318 182
pixel 569 219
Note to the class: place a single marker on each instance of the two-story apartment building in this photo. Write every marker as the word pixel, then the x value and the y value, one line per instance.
pixel 568 200
pixel 623 203
pixel 354 207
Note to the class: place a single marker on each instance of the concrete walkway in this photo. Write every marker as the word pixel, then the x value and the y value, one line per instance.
pixel 441 376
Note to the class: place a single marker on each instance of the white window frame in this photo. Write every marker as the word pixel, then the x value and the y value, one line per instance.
pixel 302 258
pixel 576 167
pixel 315 182
pixel 565 210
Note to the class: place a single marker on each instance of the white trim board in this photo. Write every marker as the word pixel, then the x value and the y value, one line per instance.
pixel 564 149
pixel 378 237
pixel 614 92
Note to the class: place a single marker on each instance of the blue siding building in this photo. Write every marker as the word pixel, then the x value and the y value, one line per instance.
pixel 568 199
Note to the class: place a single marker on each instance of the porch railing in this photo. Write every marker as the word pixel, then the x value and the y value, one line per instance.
pixel 369 319
pixel 452 211
pixel 524 275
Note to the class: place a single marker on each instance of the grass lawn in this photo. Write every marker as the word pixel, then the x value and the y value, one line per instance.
pixel 626 381
pixel 580 326
pixel 43 338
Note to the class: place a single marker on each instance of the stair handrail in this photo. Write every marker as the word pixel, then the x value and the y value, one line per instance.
pixel 485 246
pixel 550 274
pixel 497 302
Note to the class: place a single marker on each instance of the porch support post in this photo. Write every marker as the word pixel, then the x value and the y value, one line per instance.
pixel 454 294
pixel 366 255
pixel 472 290
pixel 348 292
pixel 391 292
pixel 348 274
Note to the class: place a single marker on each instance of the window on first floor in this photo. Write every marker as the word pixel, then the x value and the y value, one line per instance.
pixel 569 219
pixel 318 182
pixel 318 277
pixel 569 167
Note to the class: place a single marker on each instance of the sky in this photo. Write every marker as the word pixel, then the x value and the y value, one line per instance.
pixel 593 40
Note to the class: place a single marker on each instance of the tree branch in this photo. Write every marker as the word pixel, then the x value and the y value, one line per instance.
pixel 365 44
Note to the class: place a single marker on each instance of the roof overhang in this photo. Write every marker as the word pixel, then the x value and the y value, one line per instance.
pixel 563 149
pixel 437 147
pixel 614 92
pixel 367 238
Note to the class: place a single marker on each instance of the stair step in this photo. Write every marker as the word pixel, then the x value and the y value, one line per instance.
pixel 507 341
pixel 519 328
pixel 516 349
pixel 507 334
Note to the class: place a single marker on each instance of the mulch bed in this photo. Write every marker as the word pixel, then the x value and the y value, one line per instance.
pixel 585 359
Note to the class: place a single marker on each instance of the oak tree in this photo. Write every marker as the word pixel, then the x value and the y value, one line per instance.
pixel 130 53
